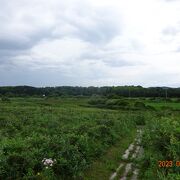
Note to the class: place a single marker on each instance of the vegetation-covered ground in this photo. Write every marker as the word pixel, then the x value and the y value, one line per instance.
pixel 72 135
pixel 71 138
pixel 161 142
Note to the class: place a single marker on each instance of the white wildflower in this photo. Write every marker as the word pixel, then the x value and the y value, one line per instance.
pixel 48 162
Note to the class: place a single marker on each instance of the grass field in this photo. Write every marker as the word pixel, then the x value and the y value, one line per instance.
pixel 66 138
pixel 161 105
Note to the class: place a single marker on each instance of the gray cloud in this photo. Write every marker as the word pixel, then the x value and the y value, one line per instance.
pixel 178 49
pixel 76 42
pixel 119 63
pixel 171 31
pixel 14 44
pixel 89 24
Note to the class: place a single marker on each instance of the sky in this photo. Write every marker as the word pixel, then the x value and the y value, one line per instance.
pixel 90 42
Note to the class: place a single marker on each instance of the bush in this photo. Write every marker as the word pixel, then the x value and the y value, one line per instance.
pixel 97 101
pixel 5 99
pixel 177 100
pixel 148 107
pixel 140 120
pixel 166 108
pixel 123 103
pixel 161 141
pixel 74 136
pixel 111 102
pixel 139 105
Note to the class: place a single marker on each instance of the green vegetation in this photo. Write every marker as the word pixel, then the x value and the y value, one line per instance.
pixel 122 103
pixel 73 136
pixel 103 167
pixel 84 138
pixel 111 92
pixel 162 143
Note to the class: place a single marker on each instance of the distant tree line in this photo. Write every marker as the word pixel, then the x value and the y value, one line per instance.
pixel 108 91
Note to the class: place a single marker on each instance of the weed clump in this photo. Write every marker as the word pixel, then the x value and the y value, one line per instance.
pixel 5 99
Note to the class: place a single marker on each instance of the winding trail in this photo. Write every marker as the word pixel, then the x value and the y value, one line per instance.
pixel 127 169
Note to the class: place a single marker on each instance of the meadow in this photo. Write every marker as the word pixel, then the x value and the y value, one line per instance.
pixel 83 138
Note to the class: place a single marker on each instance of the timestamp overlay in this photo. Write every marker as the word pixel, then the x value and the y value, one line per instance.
pixel 168 163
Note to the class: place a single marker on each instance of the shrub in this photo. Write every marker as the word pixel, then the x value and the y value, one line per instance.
pixel 5 99
pixel 106 122
pixel 140 120
pixel 139 105
pixel 148 107
pixel 161 141
pixel 177 100
pixel 72 135
pixel 110 102
pixel 123 103
pixel 96 101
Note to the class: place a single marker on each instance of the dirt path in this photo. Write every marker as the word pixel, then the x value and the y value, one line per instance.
pixel 127 169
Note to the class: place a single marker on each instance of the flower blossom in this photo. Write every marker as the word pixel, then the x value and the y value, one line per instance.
pixel 48 162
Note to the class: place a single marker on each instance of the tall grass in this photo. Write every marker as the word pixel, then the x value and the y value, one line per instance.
pixel 161 142
pixel 71 135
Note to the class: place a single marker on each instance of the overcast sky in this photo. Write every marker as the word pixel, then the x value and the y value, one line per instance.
pixel 90 42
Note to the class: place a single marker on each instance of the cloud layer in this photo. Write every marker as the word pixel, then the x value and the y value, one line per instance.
pixel 77 42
